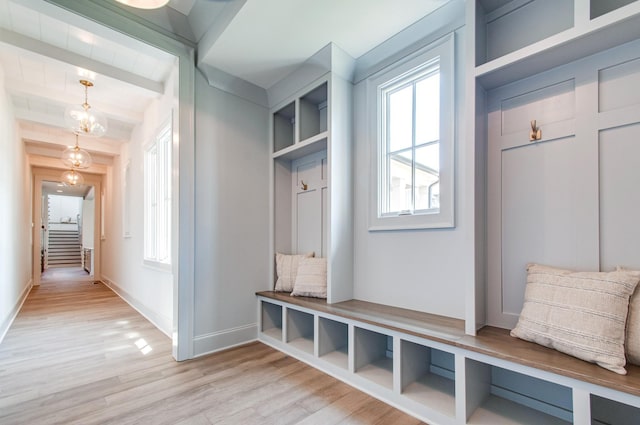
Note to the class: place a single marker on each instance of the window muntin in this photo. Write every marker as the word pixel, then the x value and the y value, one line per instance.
pixel 411 121
pixel 157 191
pixel 410 117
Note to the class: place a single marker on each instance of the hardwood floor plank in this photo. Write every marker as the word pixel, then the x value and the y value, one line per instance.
pixel 75 355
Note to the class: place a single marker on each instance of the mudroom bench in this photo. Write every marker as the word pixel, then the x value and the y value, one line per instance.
pixel 428 367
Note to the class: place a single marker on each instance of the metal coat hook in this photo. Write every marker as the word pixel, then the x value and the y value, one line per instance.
pixel 304 185
pixel 536 132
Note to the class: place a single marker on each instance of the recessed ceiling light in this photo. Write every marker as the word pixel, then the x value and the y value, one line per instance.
pixel 59 191
pixel 60 185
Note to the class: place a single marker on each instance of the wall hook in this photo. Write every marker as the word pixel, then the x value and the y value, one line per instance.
pixel 304 185
pixel 536 133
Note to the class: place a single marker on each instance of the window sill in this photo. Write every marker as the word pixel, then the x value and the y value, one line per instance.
pixel 154 265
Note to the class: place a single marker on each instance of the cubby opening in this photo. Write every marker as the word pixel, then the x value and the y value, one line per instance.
pixel 313 112
pixel 333 342
pixel 497 395
pixel 602 7
pixel 611 412
pixel 505 26
pixel 271 320
pixel 374 356
pixel 428 376
pixel 284 121
pixel 300 330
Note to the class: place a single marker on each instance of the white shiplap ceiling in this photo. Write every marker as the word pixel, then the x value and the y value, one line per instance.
pixel 44 50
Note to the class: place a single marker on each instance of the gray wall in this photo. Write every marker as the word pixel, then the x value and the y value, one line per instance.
pixel 425 270
pixel 232 217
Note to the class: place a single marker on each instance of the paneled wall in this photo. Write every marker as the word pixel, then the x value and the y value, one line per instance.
pixel 569 199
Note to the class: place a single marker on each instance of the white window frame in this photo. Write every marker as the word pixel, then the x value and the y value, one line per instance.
pixel 441 51
pixel 157 198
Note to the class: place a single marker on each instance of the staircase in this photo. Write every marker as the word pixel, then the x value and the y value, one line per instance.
pixel 64 249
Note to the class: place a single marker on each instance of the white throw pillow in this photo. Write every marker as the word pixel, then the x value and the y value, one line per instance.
pixel 311 280
pixel 632 342
pixel 582 314
pixel 287 269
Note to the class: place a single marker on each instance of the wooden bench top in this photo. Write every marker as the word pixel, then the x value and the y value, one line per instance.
pixel 492 341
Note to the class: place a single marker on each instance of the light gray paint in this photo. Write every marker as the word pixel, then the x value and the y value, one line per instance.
pixel 231 214
pixel 420 270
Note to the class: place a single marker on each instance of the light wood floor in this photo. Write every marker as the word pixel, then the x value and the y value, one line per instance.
pixel 78 354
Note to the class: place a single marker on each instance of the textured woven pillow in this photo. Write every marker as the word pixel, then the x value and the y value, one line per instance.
pixel 632 342
pixel 311 280
pixel 582 314
pixel 286 269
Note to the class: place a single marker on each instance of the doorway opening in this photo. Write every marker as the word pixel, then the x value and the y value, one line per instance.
pixel 67 232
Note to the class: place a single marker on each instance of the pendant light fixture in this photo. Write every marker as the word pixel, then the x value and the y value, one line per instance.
pixel 82 119
pixel 144 4
pixel 75 157
pixel 72 178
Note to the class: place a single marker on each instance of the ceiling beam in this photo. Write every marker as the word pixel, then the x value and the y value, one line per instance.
pixel 63 139
pixel 63 56
pixel 61 99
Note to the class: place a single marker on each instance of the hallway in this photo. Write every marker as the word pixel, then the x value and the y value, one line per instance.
pixel 78 354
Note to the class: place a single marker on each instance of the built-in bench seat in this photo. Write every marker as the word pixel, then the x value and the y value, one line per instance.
pixel 492 341
pixel 429 335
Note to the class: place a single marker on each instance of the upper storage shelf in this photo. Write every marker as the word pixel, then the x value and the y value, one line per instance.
pixel 300 127
pixel 519 38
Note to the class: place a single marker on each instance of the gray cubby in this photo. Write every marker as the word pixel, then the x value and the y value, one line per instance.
pixel 497 395
pixel 611 412
pixel 602 7
pixel 300 332
pixel 284 127
pixel 271 320
pixel 504 26
pixel 313 112
pixel 428 376
pixel 333 342
pixel 373 356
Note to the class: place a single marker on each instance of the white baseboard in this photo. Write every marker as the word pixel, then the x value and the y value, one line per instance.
pixel 162 323
pixel 225 339
pixel 6 324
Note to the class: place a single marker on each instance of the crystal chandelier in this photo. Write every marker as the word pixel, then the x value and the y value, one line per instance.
pixel 82 119
pixel 75 157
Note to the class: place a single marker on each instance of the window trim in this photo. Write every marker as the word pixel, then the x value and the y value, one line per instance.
pixel 166 127
pixel 444 218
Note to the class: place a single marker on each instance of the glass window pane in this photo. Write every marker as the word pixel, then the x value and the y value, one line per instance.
pixel 400 104
pixel 399 184
pixel 427 177
pixel 428 109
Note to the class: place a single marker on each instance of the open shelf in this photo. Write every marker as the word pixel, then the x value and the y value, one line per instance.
pixel 309 146
pixel 271 320
pixel 300 330
pixel 611 412
pixel 333 342
pixel 497 395
pixel 284 127
pixel 374 356
pixel 428 377
pixel 602 7
pixel 313 112
pixel 501 23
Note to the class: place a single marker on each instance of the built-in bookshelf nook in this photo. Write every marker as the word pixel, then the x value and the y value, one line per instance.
pixel 374 356
pixel 428 376
pixel 271 323
pixel 300 330
pixel 333 342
